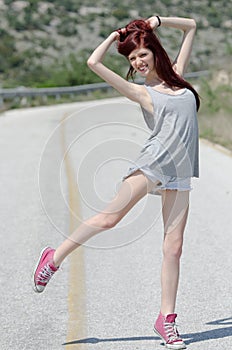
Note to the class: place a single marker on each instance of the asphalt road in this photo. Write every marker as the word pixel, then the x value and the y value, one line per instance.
pixel 107 295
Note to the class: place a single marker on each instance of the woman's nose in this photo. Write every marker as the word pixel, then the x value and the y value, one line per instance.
pixel 138 61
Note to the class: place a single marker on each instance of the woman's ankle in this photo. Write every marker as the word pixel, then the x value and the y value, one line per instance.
pixel 56 261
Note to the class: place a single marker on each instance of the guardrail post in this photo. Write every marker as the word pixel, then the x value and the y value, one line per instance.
pixel 44 98
pixel 23 101
pixel 1 101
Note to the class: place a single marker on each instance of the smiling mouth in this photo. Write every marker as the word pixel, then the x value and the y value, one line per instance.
pixel 142 69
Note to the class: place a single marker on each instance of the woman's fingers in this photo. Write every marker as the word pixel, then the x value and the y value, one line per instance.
pixel 121 31
pixel 153 21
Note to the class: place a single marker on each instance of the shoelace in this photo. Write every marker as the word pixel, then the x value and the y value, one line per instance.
pixel 172 332
pixel 45 274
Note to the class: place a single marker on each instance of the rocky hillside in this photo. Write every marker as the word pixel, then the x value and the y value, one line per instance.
pixel 45 43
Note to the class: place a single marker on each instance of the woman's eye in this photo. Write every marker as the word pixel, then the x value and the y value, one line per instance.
pixel 143 55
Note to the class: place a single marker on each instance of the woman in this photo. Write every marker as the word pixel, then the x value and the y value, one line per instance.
pixel 167 161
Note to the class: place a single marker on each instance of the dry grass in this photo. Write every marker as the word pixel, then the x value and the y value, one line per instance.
pixel 215 116
pixel 217 128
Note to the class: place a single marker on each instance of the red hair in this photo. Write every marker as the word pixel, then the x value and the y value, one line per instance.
pixel 139 33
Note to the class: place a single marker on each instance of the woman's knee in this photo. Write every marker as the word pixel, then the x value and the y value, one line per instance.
pixel 106 221
pixel 172 247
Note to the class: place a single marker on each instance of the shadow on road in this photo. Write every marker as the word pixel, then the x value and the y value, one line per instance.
pixel 217 333
pixel 102 340
pixel 223 321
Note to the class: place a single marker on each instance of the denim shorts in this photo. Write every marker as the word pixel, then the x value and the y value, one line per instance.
pixel 167 182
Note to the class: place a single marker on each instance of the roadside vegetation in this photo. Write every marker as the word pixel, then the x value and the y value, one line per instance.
pixel 215 116
pixel 46 44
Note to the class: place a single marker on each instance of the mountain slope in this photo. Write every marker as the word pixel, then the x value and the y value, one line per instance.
pixel 38 37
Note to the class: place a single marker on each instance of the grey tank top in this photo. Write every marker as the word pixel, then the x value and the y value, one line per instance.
pixel 172 148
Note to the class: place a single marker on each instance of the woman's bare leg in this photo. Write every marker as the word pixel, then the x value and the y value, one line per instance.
pixel 175 212
pixel 131 191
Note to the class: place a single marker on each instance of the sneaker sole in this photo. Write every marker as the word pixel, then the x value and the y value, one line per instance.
pixel 33 277
pixel 170 346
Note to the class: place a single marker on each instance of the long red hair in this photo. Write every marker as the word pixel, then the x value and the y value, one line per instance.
pixel 139 33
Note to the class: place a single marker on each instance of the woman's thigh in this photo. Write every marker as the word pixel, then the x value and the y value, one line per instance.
pixel 175 206
pixel 133 188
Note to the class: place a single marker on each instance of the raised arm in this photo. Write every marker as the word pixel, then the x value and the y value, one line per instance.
pixel 133 91
pixel 188 26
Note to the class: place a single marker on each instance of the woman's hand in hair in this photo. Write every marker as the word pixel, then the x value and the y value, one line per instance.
pixel 153 21
pixel 121 33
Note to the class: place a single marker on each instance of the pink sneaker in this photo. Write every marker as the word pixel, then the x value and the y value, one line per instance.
pixel 165 328
pixel 44 269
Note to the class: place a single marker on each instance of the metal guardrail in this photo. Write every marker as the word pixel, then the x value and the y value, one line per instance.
pixel 33 92
pixel 21 92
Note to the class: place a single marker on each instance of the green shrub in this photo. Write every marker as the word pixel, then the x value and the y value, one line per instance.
pixel 67 28
pixel 210 101
pixel 7 50
pixel 120 13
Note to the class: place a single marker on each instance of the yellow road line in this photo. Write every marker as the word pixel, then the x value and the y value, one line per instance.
pixel 76 293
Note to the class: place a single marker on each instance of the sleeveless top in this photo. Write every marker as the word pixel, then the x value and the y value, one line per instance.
pixel 172 149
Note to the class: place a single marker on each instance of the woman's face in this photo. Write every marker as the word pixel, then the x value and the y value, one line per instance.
pixel 142 60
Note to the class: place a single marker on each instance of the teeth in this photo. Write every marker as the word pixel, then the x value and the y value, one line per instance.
pixel 141 69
